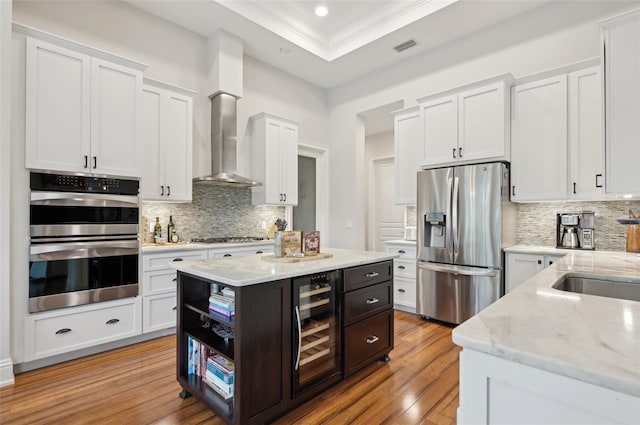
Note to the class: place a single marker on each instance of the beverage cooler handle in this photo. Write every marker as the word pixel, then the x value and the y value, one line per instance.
pixel 299 338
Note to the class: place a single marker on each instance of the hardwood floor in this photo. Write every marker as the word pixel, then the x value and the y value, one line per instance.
pixel 137 385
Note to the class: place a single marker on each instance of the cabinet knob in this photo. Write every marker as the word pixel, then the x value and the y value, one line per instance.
pixel 372 300
pixel 62 331
pixel 550 262
pixel 539 261
pixel 112 321
pixel 371 339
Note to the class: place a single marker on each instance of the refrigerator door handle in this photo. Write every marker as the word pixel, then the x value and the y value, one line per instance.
pixel 467 271
pixel 454 219
pixel 448 220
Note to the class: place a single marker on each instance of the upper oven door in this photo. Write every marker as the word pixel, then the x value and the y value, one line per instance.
pixel 55 214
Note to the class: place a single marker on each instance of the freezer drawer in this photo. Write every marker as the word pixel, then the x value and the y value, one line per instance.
pixel 455 293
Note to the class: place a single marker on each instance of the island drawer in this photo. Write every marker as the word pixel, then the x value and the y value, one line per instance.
pixel 367 340
pixel 362 276
pixel 365 302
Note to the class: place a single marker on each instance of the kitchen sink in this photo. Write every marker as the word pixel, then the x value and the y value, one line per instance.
pixel 603 286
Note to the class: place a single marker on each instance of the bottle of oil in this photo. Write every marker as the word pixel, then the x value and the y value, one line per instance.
pixel 170 229
pixel 157 231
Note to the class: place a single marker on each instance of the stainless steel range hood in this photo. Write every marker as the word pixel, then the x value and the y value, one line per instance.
pixel 224 144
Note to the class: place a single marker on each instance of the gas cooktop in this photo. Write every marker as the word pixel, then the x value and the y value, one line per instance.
pixel 229 239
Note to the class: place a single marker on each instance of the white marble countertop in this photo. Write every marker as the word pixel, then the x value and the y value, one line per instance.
pixel 181 246
pixel 252 269
pixel 590 338
pixel 401 242
pixel 541 250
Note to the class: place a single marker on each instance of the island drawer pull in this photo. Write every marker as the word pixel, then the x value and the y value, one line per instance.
pixel 62 331
pixel 372 274
pixel 372 300
pixel 112 321
pixel 371 339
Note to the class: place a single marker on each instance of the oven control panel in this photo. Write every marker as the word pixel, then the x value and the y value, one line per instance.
pixel 72 183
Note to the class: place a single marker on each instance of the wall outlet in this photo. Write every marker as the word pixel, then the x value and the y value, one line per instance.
pixel 151 225
pixel 263 225
pixel 349 224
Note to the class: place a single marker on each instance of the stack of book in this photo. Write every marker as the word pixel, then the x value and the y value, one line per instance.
pixel 219 375
pixel 198 354
pixel 222 304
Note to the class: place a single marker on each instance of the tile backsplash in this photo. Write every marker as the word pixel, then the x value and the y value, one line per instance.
pixel 215 211
pixel 536 222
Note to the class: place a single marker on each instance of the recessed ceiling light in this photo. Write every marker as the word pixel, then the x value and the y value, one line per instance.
pixel 321 11
pixel 285 51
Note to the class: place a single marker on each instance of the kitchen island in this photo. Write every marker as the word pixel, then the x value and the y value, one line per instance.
pixel 544 355
pixel 280 332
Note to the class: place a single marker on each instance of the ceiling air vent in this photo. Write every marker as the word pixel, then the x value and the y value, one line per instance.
pixel 404 46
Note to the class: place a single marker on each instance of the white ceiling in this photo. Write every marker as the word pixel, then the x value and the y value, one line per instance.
pixel 356 37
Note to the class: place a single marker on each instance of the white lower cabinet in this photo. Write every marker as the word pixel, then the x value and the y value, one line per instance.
pixel 239 252
pixel 158 312
pixel 521 267
pixel 61 331
pixel 404 275
pixel 494 390
pixel 159 287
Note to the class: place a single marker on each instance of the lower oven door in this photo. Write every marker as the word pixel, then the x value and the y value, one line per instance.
pixel 66 274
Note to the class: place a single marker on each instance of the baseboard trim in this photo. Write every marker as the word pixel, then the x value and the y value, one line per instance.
pixel 6 373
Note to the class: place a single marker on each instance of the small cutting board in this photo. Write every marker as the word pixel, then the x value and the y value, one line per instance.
pixel 272 257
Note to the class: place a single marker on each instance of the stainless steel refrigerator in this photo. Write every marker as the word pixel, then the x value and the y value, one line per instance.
pixel 465 220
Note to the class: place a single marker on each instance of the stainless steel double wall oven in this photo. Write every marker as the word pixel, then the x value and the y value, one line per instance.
pixel 84 241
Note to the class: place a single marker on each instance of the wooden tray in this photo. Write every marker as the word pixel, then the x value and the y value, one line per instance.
pixel 272 257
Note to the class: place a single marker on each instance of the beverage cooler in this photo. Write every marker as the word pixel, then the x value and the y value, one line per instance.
pixel 316 331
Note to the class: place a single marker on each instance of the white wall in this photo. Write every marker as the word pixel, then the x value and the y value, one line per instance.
pixel 175 56
pixel 548 37
pixel 6 364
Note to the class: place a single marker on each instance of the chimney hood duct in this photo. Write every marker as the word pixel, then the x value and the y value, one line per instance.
pixel 224 144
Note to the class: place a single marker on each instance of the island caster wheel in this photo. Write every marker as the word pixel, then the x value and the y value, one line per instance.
pixel 185 394
pixel 385 358
pixel 423 317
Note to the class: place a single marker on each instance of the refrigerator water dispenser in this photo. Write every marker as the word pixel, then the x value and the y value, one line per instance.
pixel 434 229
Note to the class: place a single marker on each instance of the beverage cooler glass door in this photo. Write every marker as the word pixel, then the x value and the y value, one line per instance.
pixel 316 336
pixel 455 293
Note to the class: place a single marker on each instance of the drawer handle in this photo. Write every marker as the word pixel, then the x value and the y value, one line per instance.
pixel 62 331
pixel 112 321
pixel 227 255
pixel 174 308
pixel 371 339
pixel 259 252
pixel 401 267
pixel 402 251
pixel 372 274
pixel 401 290
pixel 177 259
pixel 372 300
pixel 175 279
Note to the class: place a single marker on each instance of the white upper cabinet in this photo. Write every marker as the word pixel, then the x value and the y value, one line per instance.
pixel 82 112
pixel 168 129
pixel 621 53
pixel 274 159
pixel 58 107
pixel 408 147
pixel 539 140
pixel 586 143
pixel 466 125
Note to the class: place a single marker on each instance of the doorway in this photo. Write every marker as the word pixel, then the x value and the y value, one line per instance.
pixel 386 219
pixel 312 211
